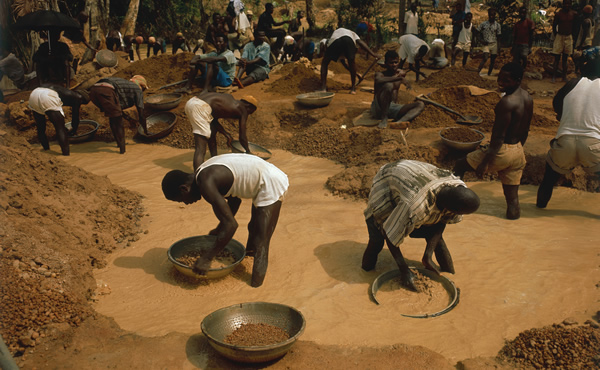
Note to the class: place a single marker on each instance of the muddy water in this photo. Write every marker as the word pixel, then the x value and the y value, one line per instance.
pixel 513 275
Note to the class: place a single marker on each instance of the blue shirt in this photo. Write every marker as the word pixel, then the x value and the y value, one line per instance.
pixel 263 51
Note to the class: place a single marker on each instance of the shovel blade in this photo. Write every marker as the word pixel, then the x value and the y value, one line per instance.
pixel 469 120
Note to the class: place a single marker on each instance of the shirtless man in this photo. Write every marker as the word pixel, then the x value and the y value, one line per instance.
pixel 504 153
pixel 387 84
pixel 562 28
pixel 204 112
pixel 223 181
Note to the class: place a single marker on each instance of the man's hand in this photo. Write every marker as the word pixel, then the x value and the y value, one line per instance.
pixel 201 266
pixel 408 280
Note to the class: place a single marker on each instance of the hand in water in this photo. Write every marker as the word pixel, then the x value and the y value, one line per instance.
pixel 408 280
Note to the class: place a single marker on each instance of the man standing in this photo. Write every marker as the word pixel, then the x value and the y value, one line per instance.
pixel 464 40
pixel 343 43
pixel 562 29
pixel 254 61
pixel 218 67
pixel 458 16
pixel 488 35
pixel 504 153
pixel 223 181
pixel 112 95
pixel 204 112
pixel 523 38
pixel 411 20
pixel 577 142
pixel 53 61
pixel 48 100
pixel 266 22
pixel 416 199
pixel 387 84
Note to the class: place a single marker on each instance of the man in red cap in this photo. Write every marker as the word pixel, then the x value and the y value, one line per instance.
pixel 204 112
pixel 112 95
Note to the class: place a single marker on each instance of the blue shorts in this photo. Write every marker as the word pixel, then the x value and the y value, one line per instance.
pixel 220 78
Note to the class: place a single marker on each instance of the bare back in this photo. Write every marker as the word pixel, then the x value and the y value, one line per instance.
pixel 513 117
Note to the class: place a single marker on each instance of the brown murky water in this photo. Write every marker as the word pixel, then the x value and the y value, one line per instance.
pixel 513 275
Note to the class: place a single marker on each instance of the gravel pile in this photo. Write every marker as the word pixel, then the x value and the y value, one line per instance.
pixel 560 346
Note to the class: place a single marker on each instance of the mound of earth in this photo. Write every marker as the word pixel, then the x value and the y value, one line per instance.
pixel 58 223
pixel 297 78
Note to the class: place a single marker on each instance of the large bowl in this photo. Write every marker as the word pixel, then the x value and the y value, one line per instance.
pixel 154 119
pixel 87 129
pixel 163 101
pixel 259 151
pixel 221 323
pixel 107 58
pixel 315 99
pixel 470 146
pixel 204 243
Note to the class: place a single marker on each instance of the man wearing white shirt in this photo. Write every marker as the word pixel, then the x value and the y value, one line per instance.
pixel 343 44
pixel 411 19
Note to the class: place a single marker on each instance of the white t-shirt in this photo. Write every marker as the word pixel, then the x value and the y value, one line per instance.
pixel 409 47
pixel 412 22
pixel 253 178
pixel 581 111
pixel 341 32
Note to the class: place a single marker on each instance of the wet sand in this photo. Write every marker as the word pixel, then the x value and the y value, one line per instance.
pixel 513 275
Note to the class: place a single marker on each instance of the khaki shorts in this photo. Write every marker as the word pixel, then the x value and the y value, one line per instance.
pixel 491 48
pixel 563 44
pixel 509 162
pixel 464 46
pixel 199 113
pixel 570 151
pixel 107 100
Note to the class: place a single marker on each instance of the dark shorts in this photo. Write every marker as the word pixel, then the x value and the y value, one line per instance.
pixel 257 73
pixel 520 51
pixel 343 46
pixel 107 100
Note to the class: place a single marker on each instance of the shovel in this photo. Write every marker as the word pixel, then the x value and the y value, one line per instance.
pixel 463 120
pixel 361 78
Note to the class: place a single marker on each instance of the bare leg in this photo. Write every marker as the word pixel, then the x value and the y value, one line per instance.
pixel 249 80
pixel 492 62
pixel 324 65
pixel 191 77
pixel 410 111
pixel 384 99
pixel 544 192
pixel 263 223
pixel 352 68
pixel 374 247
pixel 465 57
pixel 211 71
pixel 565 58
pixel 485 58
pixel 40 124
pixel 443 257
pixel 212 140
pixel 511 194
pixel 116 126
pixel 58 120
pixel 555 67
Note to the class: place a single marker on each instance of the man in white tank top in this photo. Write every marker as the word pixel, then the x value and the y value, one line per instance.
pixel 464 40
pixel 223 181
pixel 577 142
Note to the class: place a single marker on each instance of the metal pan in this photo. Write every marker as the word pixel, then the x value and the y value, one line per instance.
pixel 463 120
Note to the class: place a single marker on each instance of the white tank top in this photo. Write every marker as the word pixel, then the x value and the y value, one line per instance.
pixel 465 34
pixel 581 110
pixel 253 178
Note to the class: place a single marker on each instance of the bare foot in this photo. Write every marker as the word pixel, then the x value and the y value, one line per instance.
pixel 383 123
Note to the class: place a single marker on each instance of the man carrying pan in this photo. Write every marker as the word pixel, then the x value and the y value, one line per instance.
pixel 416 199
pixel 204 112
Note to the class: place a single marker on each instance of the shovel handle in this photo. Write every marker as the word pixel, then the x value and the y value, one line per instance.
pixel 427 100
pixel 361 78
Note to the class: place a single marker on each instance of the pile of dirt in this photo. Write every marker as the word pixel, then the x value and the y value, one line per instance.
pixel 457 76
pixel 297 78
pixel 159 70
pixel 556 346
pixel 48 207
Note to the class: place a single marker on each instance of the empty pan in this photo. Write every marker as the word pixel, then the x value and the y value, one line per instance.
pixel 463 120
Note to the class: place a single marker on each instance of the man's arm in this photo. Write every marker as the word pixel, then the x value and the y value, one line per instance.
pixel 503 112
pixel 364 45
pixel 200 143
pixel 381 79
pixel 242 128
pixel 212 60
pixel 142 119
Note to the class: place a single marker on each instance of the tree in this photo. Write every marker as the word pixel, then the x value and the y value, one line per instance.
pixel 128 26
pixel 310 15
pixel 402 8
